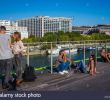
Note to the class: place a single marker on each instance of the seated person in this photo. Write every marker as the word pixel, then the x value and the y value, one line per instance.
pixel 104 55
pixel 62 62
pixel 81 67
pixel 92 65
pixel 108 55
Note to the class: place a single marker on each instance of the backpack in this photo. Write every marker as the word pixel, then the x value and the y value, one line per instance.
pixel 29 74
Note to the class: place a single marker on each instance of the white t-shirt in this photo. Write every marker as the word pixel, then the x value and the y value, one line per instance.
pixel 5 50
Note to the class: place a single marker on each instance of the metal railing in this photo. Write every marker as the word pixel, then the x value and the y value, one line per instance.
pixel 51 49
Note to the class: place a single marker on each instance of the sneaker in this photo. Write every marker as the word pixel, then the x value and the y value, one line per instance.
pixel 65 71
pixel 62 73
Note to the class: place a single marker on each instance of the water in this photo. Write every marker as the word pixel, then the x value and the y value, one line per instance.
pixel 44 60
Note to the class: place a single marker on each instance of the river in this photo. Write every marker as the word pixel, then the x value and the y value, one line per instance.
pixel 45 60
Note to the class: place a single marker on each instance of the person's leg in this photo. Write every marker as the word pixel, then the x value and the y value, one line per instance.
pixel 66 65
pixel 81 67
pixel 95 71
pixel 92 70
pixel 2 73
pixel 19 67
pixel 8 70
pixel 18 61
pixel 60 67
pixel 9 80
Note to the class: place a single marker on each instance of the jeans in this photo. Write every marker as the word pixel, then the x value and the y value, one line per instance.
pixel 18 66
pixel 63 66
pixel 6 69
pixel 81 67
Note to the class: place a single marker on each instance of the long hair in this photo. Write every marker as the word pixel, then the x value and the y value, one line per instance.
pixel 18 34
pixel 94 58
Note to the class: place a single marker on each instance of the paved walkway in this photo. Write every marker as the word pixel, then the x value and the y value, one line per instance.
pixel 72 81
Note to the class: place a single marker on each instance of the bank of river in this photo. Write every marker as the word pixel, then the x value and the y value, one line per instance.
pixel 45 60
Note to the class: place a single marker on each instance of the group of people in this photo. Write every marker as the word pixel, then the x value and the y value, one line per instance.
pixel 10 59
pixel 11 54
pixel 63 64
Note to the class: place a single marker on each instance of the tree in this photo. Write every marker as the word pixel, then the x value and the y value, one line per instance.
pixel 68 36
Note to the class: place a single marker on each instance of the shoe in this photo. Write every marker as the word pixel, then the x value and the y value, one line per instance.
pixel 18 82
pixel 12 85
pixel 62 73
pixel 65 71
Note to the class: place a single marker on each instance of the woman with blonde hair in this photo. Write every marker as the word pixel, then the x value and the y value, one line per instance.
pixel 62 62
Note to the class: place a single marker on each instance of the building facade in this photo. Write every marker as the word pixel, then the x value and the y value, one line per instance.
pixel 92 29
pixel 12 27
pixel 104 29
pixel 80 29
pixel 40 25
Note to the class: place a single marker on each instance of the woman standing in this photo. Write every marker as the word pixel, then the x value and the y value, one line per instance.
pixel 18 50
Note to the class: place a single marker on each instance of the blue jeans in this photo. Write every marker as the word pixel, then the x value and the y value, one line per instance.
pixel 63 66
pixel 81 67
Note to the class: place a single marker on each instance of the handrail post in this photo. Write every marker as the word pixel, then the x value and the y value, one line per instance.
pixel 106 46
pixel 28 54
pixel 84 55
pixel 69 51
pixel 51 60
pixel 96 51
pixel 70 55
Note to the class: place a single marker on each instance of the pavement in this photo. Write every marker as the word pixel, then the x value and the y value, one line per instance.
pixel 71 82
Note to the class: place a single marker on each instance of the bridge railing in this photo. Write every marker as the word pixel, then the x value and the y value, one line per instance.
pixel 43 54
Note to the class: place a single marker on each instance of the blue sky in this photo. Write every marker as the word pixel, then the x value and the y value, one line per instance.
pixel 84 12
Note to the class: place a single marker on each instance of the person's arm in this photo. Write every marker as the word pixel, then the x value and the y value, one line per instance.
pixel 22 48
pixel 9 41
pixel 68 59
pixel 60 59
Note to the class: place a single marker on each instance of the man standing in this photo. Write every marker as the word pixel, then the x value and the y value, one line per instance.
pixel 6 59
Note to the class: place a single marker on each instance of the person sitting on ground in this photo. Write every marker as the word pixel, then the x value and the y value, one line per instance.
pixel 62 62
pixel 80 67
pixel 108 55
pixel 92 65
pixel 104 55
